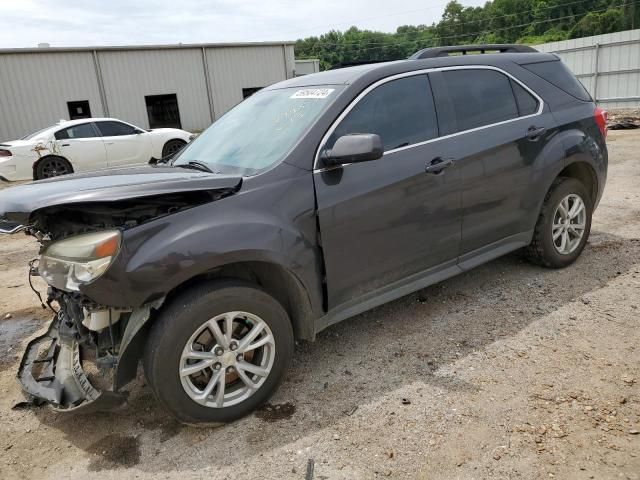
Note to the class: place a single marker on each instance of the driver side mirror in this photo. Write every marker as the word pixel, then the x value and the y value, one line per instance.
pixel 353 148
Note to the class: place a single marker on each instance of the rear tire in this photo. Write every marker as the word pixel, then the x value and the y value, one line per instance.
pixel 52 166
pixel 227 383
pixel 172 146
pixel 563 226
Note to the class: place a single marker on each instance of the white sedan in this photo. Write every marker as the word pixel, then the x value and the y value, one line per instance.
pixel 87 144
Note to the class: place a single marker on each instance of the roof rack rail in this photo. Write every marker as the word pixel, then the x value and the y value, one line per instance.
pixel 464 49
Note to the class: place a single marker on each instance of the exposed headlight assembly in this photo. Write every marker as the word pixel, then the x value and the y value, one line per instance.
pixel 79 260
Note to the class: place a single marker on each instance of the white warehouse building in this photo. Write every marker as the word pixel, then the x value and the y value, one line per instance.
pixel 183 86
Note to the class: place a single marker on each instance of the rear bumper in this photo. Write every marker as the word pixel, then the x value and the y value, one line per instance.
pixel 51 371
pixel 14 169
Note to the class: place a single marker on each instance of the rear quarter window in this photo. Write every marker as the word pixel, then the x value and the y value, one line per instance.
pixel 558 74
pixel 527 104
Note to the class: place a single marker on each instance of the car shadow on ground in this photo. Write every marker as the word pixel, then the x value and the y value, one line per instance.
pixel 356 362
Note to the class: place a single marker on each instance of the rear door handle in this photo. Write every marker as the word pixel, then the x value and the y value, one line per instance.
pixel 534 133
pixel 438 164
pixel 66 144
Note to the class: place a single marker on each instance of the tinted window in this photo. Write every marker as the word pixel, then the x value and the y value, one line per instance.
pixel 400 111
pixel 114 129
pixel 527 103
pixel 480 97
pixel 84 130
pixel 558 74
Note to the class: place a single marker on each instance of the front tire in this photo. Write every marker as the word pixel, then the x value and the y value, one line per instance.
pixel 563 226
pixel 218 351
pixel 172 147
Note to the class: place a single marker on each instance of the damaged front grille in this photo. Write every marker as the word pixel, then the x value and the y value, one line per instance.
pixel 65 366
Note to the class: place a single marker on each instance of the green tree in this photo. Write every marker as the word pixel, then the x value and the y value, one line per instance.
pixel 609 21
pixel 498 21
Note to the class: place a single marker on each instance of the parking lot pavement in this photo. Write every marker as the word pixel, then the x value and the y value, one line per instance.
pixel 508 371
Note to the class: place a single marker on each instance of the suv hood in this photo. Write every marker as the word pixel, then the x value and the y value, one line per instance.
pixel 19 202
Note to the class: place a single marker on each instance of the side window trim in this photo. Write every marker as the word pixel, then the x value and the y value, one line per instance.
pixel 354 102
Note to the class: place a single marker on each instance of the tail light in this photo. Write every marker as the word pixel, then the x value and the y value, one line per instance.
pixel 4 153
pixel 601 117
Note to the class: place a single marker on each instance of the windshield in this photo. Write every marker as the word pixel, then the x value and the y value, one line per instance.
pixel 259 132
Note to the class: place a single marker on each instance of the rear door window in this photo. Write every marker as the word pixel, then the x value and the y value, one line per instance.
pixel 400 111
pixel 84 130
pixel 115 129
pixel 480 97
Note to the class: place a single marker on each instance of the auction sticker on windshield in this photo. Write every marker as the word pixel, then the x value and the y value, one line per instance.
pixel 313 93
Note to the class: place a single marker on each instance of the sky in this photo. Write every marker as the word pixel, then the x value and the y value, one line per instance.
pixel 64 23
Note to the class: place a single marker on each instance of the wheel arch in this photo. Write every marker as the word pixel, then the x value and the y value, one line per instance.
pixel 576 168
pixel 173 139
pixel 44 157
pixel 275 279
pixel 585 174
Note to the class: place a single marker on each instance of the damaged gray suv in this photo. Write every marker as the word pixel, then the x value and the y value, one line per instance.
pixel 312 201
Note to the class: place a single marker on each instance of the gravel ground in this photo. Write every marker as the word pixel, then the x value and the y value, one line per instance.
pixel 508 371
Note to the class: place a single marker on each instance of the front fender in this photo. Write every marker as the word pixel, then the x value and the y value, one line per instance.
pixel 160 255
pixel 161 136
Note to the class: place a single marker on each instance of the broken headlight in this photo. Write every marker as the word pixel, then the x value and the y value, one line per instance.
pixel 79 260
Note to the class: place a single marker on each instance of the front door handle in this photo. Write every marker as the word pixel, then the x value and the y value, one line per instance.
pixel 438 164
pixel 534 133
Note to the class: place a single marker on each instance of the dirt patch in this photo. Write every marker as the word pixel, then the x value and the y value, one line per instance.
pixel 114 451
pixel 274 413
pixel 13 332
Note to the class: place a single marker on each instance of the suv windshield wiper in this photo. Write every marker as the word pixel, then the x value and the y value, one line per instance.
pixel 196 166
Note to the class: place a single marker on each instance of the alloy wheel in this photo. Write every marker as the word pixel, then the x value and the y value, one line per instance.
pixel 54 167
pixel 569 223
pixel 227 359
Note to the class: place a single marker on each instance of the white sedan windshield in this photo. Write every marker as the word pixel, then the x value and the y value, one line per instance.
pixel 260 131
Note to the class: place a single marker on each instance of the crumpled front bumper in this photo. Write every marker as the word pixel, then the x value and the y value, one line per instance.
pixel 51 371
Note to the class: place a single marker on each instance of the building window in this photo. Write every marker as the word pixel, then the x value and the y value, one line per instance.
pixel 163 111
pixel 247 92
pixel 79 109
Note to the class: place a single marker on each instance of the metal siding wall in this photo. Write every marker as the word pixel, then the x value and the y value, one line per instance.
pixel 291 61
pixel 130 75
pixel 306 67
pixel 233 68
pixel 617 88
pixel 35 89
